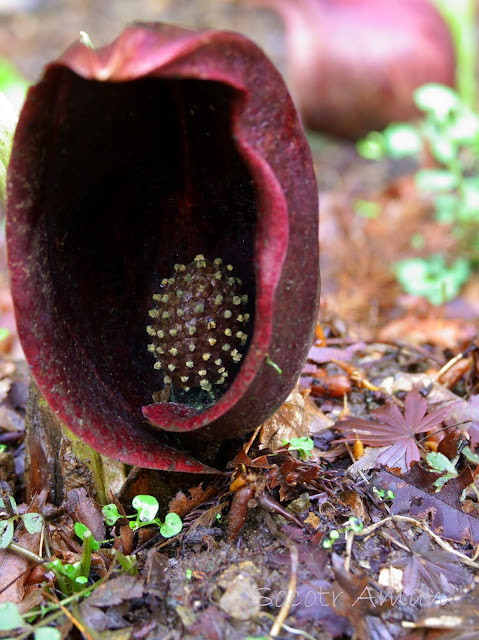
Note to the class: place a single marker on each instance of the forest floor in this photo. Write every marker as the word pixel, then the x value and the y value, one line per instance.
pixel 342 541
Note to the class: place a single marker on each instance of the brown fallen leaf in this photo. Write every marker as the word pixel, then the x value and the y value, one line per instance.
pixel 14 568
pixel 454 334
pixel 289 421
pixel 449 515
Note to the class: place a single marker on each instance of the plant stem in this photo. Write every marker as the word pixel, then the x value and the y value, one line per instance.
pixel 461 16
pixel 8 121
pixel 86 555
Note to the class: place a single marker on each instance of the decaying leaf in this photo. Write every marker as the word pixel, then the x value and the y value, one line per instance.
pixel 183 504
pixel 439 570
pixel 289 421
pixel 444 508
pixel 14 568
pixel 396 429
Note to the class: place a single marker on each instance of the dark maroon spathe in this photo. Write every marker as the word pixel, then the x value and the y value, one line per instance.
pixel 132 158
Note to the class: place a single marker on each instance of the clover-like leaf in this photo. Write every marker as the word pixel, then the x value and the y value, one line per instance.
pixel 33 522
pixel 10 617
pixel 391 427
pixel 111 514
pixel 172 525
pixel 6 533
pixel 147 507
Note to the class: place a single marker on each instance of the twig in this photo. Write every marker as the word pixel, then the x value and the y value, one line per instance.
pixel 293 581
pixel 442 543
pixel 252 439
pixel 81 628
pixel 349 549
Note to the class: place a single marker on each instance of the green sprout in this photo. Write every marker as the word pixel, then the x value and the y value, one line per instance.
pixel 384 495
pixel 450 132
pixel 273 364
pixel 33 522
pixel 86 40
pixel 354 524
pixel 146 509
pixel 303 446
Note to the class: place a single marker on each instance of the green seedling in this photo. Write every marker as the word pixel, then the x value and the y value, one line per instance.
pixel 111 514
pixel 353 524
pixel 146 509
pixel 73 577
pixel 33 522
pixel 303 446
pixel 432 278
pixel 273 364
pixel 439 462
pixel 384 495
pixel 47 633
pixel 450 132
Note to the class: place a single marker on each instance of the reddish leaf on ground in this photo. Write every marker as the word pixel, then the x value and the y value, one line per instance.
pixel 395 429
pixel 448 513
pixel 439 570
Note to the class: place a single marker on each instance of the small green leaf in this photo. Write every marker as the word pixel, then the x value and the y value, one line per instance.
pixel 304 443
pixel 13 503
pixel 469 455
pixel 10 617
pixel 402 140
pixel 172 525
pixel 443 149
pixel 465 128
pixel 147 507
pixel 86 40
pixel 6 533
pixel 435 180
pixel 437 99
pixel 469 209
pixel 4 333
pixel 439 462
pixel 111 514
pixel 446 207
pixel 47 633
pixel 367 209
pixel 432 278
pixel 33 522
pixel 372 147
pixel 355 524
pixel 72 571
pixel 81 530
